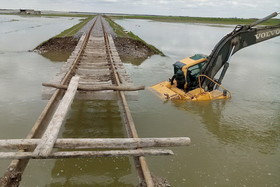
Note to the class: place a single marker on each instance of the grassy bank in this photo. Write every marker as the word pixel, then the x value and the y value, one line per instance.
pixel 121 32
pixel 181 19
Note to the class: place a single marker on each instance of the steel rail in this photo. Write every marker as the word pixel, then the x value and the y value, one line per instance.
pixel 140 162
pixel 15 169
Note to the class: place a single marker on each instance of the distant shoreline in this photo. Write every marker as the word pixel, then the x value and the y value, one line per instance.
pixel 209 20
pixel 175 19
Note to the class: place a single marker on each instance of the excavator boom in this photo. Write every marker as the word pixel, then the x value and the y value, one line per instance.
pixel 242 36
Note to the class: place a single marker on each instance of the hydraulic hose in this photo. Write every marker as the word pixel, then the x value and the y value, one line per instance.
pixel 264 19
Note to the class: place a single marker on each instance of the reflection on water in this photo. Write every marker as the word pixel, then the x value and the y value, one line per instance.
pixel 232 131
pixel 57 57
pixel 98 119
pixel 99 172
pixel 93 119
pixel 133 61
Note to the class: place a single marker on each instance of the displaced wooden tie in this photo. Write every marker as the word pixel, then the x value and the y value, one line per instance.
pixel 97 88
pixel 109 143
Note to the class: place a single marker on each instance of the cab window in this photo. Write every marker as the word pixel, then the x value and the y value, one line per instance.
pixel 193 72
pixel 196 69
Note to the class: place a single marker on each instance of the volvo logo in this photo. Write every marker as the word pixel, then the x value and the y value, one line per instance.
pixel 267 34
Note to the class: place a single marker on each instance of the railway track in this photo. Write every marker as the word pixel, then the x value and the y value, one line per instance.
pixel 95 63
pixel 140 162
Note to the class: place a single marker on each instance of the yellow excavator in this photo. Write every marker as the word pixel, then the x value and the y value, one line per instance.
pixel 193 77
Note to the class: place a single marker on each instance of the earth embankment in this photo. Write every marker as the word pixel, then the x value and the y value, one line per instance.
pixel 127 46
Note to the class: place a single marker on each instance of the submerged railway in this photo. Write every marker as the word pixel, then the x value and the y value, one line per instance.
pixel 93 71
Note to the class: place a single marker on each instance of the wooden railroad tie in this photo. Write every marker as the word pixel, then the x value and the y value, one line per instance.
pixel 96 88
pixel 99 143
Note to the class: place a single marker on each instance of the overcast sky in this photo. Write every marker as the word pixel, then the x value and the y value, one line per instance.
pixel 209 8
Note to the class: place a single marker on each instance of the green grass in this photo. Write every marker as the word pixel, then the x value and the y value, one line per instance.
pixel 73 30
pixel 120 31
pixel 231 21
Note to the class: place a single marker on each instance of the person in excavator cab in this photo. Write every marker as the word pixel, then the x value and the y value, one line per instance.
pixel 180 79
pixel 189 82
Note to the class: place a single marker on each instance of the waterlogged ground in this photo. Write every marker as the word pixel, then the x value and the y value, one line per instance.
pixel 234 142
pixel 22 72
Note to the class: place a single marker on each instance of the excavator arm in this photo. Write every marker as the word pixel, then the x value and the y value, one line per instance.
pixel 242 36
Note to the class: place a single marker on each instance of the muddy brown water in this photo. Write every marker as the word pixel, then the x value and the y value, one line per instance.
pixel 235 142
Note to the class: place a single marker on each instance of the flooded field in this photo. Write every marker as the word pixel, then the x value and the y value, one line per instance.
pixel 235 142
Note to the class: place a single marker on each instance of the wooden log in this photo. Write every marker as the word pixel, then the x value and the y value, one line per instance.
pixel 49 137
pixel 84 154
pixel 97 88
pixel 106 143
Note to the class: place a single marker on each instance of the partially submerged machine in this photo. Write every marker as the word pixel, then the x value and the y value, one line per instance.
pixel 194 77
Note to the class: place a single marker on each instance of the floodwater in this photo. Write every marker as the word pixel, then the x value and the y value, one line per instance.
pixel 235 142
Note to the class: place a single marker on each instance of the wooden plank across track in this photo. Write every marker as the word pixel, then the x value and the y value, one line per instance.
pixel 97 143
pixel 45 146
pixel 93 71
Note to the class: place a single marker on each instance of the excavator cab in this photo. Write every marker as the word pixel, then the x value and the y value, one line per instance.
pixel 184 84
pixel 186 72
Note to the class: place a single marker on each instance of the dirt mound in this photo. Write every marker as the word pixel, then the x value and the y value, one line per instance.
pixel 57 45
pixel 129 48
